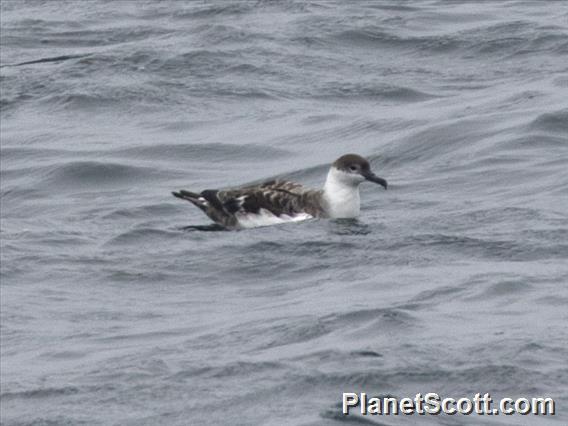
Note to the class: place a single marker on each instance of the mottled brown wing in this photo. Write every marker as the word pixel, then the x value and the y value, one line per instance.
pixel 276 185
pixel 278 197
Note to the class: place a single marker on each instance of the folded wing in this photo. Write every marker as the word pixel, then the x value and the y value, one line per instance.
pixel 259 205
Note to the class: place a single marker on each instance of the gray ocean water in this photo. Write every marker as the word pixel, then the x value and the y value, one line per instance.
pixel 453 281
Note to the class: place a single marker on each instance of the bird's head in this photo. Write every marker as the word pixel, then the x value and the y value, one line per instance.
pixel 352 169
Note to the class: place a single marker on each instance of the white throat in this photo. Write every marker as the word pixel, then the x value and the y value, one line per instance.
pixel 341 194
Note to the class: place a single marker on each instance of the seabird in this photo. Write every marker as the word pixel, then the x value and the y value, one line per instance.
pixel 278 201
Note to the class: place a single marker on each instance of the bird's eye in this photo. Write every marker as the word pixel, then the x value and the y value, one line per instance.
pixel 353 168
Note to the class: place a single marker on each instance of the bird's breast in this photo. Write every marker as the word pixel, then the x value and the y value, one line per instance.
pixel 343 203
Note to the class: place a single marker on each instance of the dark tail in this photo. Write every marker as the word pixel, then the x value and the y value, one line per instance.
pixel 192 197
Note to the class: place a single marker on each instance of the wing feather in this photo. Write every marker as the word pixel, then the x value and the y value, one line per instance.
pixel 277 197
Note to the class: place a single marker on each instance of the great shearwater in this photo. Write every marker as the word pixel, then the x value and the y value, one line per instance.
pixel 278 201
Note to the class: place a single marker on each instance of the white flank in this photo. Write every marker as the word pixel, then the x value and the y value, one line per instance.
pixel 266 218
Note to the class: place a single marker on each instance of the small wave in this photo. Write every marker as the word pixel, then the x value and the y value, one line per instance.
pixel 85 38
pixel 14 194
pixel 560 82
pixel 438 141
pixel 144 336
pixel 52 59
pixel 64 355
pixel 349 227
pixel 198 63
pixel 16 153
pixel 291 333
pixel 41 393
pixel 232 91
pixel 136 276
pixel 81 101
pixel 503 376
pixel 289 248
pixel 215 35
pixel 486 248
pixel 203 64
pixel 210 89
pixel 523 98
pixel 209 152
pixel 142 235
pixel 89 174
pixel 551 235
pixel 383 318
pixel 510 38
pixel 556 122
pixel 335 415
pixel 537 141
pixel 320 118
pixel 96 97
pixel 364 37
pixel 392 7
pixel 148 211
pixel 12 95
pixel 505 288
pixel 237 368
pixel 213 10
pixel 371 91
pixel 436 296
pixel 366 353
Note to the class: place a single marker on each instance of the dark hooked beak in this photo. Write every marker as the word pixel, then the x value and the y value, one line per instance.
pixel 370 176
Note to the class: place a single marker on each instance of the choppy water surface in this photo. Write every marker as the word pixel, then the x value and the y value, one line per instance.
pixel 453 281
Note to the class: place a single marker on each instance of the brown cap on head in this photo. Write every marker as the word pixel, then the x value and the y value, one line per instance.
pixel 355 164
pixel 351 160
